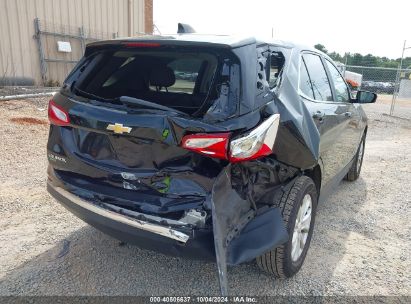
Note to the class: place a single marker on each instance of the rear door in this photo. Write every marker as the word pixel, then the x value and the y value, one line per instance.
pixel 330 116
pixel 342 95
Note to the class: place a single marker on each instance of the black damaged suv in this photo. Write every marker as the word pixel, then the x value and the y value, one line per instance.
pixel 205 146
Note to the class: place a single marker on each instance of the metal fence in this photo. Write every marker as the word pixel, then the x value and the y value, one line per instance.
pixel 62 46
pixel 393 85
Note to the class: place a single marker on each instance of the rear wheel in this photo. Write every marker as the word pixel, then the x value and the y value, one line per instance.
pixel 298 205
pixel 355 169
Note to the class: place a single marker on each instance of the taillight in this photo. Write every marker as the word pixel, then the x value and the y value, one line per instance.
pixel 57 115
pixel 213 145
pixel 257 143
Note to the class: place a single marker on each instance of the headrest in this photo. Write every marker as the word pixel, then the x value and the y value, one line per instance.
pixel 162 76
pixel 138 82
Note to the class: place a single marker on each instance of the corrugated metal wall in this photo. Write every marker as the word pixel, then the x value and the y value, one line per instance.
pixel 19 54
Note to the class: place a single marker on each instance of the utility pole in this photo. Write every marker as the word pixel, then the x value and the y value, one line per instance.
pixel 398 79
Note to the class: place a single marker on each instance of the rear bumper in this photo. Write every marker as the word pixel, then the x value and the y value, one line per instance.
pixel 173 237
pixel 185 242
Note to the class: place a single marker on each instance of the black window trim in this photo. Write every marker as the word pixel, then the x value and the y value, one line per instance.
pixel 302 62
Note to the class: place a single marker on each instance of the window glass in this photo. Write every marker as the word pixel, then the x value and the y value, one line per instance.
pixel 276 66
pixel 341 89
pixel 305 83
pixel 185 72
pixel 169 77
pixel 318 76
pixel 161 70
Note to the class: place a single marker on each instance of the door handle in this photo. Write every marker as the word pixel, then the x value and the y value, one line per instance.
pixel 319 116
pixel 348 114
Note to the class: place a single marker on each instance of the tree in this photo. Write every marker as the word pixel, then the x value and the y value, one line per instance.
pixel 336 57
pixel 367 60
pixel 321 48
pixel 370 60
pixel 356 59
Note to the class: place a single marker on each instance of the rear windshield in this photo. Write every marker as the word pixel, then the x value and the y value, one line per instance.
pixel 183 80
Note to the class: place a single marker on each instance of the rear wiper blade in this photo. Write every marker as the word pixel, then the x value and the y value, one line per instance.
pixel 126 100
pixel 95 97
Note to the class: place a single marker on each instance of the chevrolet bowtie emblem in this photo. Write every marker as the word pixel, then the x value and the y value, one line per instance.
pixel 118 128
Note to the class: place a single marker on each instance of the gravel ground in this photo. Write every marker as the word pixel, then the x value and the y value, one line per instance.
pixel 361 243
pixel 16 90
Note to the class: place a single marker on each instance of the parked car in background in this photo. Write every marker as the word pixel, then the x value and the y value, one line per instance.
pixel 224 158
pixel 378 86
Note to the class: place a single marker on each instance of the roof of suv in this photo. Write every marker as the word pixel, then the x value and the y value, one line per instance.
pixel 226 41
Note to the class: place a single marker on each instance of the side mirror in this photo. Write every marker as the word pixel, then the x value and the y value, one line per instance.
pixel 365 97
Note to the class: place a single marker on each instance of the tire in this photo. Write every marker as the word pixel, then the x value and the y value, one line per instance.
pixel 356 166
pixel 280 261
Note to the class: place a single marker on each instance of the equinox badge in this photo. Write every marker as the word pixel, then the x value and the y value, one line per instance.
pixel 118 128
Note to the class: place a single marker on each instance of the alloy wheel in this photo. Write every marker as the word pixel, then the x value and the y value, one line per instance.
pixel 301 228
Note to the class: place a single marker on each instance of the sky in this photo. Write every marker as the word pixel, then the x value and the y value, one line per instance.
pixel 357 26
